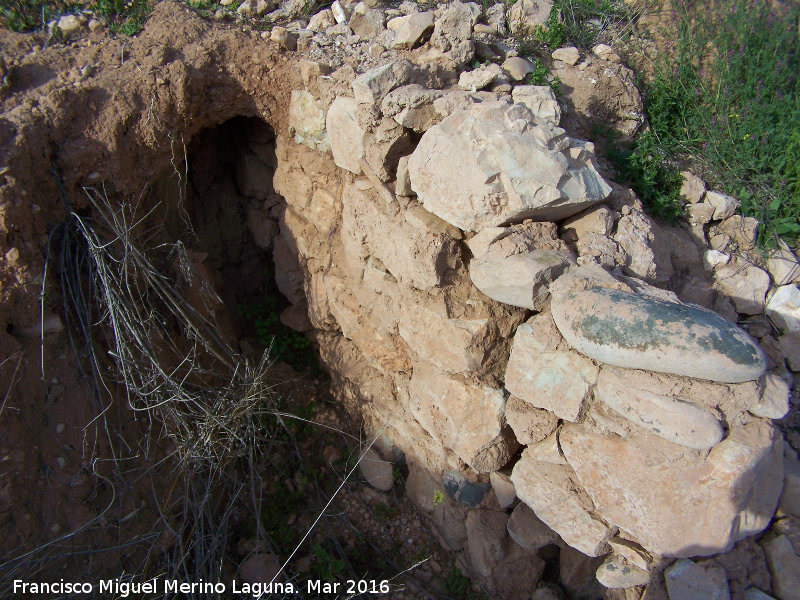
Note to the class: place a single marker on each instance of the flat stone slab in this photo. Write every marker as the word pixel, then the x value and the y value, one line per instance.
pixel 640 332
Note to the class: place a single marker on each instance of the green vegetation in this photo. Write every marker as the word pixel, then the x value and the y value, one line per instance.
pixel 541 76
pixel 644 166
pixel 121 16
pixel 724 99
pixel 284 343
pixel 457 586
pixel 581 23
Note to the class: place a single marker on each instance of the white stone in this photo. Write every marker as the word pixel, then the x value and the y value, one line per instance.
pixel 340 13
pixel 491 164
pixel 774 401
pixel 517 68
pixel 745 284
pixel 712 259
pixel 569 55
pixel 307 121
pixel 692 188
pixel 376 471
pixel 783 265
pixel 687 580
pixel 616 574
pixel 503 489
pixel 477 79
pixel 403 185
pixel 541 101
pixel 520 279
pixel 347 138
pixel 605 52
pixel 367 23
pixel 70 24
pixel 783 308
pixel 413 27
pixel 724 205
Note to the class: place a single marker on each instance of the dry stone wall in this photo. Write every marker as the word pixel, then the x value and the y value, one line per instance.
pixel 500 315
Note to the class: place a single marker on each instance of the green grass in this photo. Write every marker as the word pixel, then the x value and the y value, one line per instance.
pixel 581 23
pixel 724 99
pixel 121 16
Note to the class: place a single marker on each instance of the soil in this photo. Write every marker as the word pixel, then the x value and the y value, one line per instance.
pixel 91 488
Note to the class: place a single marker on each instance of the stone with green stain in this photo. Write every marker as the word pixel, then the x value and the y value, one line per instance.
pixel 640 332
pixel 616 574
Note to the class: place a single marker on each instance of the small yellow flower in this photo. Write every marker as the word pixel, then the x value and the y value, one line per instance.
pixel 746 136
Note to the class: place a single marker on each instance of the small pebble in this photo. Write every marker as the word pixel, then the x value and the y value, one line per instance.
pixel 60 428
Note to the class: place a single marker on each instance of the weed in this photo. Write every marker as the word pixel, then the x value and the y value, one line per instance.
pixel 325 566
pixel 457 586
pixel 586 23
pixel 725 96
pixel 541 76
pixel 438 497
pixel 121 16
pixel 384 512
pixel 644 167
pixel 581 23
pixel 285 344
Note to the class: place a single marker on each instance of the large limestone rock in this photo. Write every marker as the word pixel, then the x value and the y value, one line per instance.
pixel 466 418
pixel 527 530
pixel 307 121
pixel 455 345
pixel 641 332
pixel 490 164
pixel 420 252
pixel 555 495
pixel 677 504
pixel 520 279
pixel 412 29
pixel 687 580
pixel 557 380
pixel 452 33
pixel 674 419
pixel 347 138
pixel 527 15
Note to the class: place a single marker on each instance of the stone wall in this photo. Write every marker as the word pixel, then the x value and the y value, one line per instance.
pixel 501 317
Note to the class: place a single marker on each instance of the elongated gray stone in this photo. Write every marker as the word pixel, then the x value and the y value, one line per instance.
pixel 674 419
pixel 640 332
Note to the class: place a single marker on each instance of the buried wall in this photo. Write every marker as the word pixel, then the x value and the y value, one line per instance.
pixel 494 310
